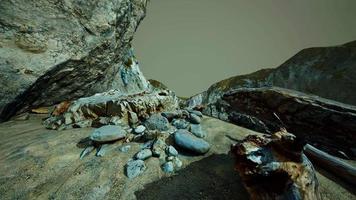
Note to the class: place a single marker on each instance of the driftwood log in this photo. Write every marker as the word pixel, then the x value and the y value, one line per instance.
pixel 332 164
pixel 275 167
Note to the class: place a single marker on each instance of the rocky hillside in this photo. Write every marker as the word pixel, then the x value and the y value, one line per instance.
pixel 52 51
pixel 324 71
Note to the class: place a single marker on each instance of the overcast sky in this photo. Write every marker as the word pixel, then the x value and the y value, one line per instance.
pixel 190 44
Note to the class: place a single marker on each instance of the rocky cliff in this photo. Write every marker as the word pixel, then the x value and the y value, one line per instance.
pixel 327 124
pixel 52 51
pixel 324 71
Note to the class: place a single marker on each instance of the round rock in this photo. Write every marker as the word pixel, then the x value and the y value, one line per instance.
pixel 140 129
pixel 171 151
pixel 187 140
pixel 157 122
pixel 168 167
pixel 108 133
pixel 143 154
pixel 135 168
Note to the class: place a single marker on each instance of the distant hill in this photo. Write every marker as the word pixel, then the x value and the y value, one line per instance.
pixel 329 72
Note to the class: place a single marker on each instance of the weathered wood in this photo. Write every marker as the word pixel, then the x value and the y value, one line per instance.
pixel 275 167
pixel 336 166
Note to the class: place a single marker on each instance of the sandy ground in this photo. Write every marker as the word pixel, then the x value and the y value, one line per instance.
pixel 36 163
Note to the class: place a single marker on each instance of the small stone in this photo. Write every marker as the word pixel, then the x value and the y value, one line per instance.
pixel 140 129
pixel 194 119
pixel 86 152
pixel 177 163
pixel 147 145
pixel 133 119
pixel 168 167
pixel 158 147
pixel 102 150
pixel 108 133
pixel 170 158
pixel 125 148
pixel 171 151
pixel 180 123
pixel 187 140
pixel 157 122
pixel 197 130
pixel 143 154
pixel 134 168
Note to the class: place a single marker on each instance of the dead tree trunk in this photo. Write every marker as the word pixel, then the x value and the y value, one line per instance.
pixel 275 167
pixel 334 165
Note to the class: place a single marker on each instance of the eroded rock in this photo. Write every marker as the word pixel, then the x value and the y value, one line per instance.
pixel 326 124
pixel 113 105
pixel 66 50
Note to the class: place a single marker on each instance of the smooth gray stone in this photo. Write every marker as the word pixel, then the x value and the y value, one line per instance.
pixel 143 154
pixel 180 123
pixel 108 133
pixel 157 122
pixel 168 167
pixel 134 168
pixel 187 140
pixel 171 151
pixel 86 152
pixel 102 150
pixel 197 130
pixel 140 129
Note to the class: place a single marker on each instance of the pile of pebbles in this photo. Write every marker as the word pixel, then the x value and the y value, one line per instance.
pixel 162 136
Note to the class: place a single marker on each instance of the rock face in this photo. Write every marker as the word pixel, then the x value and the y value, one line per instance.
pixel 325 71
pixel 275 167
pixel 327 124
pixel 63 50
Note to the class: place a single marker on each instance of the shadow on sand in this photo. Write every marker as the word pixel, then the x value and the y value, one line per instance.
pixel 213 177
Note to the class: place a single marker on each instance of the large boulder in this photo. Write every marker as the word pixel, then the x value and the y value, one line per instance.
pixel 327 124
pixel 62 50
pixel 324 71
